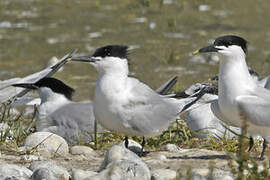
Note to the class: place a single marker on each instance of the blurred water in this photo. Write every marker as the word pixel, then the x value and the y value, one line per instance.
pixel 164 32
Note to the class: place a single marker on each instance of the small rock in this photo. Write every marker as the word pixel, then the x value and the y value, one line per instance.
pixel 118 152
pixel 200 173
pixel 204 8
pixel 46 142
pixel 4 128
pixel 171 148
pixel 55 171
pixel 220 174
pixel 78 174
pixel 42 174
pixel 161 157
pixel 12 171
pixel 125 169
pixel 31 158
pixel 164 174
pixel 82 150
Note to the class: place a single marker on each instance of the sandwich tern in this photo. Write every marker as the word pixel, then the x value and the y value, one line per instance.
pixel 240 98
pixel 199 117
pixel 124 104
pixel 59 115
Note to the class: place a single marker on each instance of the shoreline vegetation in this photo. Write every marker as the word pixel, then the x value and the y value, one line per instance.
pixel 15 128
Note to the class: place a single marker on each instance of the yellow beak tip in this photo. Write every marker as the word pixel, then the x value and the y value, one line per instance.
pixel 196 52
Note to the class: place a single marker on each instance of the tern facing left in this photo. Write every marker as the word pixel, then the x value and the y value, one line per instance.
pixel 124 104
pixel 240 97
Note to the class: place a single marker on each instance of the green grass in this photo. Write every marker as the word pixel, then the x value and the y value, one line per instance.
pixel 243 165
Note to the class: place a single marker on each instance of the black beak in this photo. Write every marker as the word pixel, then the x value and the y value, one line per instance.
pixel 210 48
pixel 84 59
pixel 25 85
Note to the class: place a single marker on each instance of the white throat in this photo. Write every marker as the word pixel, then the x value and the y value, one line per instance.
pixel 234 80
pixel 50 101
pixel 233 73
pixel 47 95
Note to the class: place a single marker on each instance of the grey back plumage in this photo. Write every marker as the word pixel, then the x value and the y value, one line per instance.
pixel 74 122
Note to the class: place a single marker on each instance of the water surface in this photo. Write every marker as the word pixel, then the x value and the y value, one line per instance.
pixel 164 33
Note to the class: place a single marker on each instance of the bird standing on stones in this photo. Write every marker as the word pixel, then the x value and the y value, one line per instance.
pixel 124 104
pixel 240 97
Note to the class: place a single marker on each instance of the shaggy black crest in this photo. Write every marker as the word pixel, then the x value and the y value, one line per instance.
pixel 231 40
pixel 112 51
pixel 56 86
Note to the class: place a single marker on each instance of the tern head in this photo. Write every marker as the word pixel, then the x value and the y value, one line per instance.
pixel 107 58
pixel 49 87
pixel 229 45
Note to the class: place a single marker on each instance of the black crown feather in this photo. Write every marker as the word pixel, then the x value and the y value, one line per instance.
pixel 119 51
pixel 56 86
pixel 229 40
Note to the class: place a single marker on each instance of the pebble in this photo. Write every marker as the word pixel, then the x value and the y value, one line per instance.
pixel 204 8
pixel 164 174
pixel 172 148
pixel 47 142
pixel 126 169
pixel 121 163
pixel 78 174
pixel 12 171
pixel 49 170
pixel 118 152
pixel 82 150
pixel 31 158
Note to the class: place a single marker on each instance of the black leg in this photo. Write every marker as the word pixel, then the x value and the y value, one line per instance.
pixel 126 141
pixel 251 143
pixel 264 147
pixel 143 143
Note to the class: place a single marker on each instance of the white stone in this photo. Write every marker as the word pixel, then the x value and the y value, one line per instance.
pixel 31 158
pixel 82 150
pixel 49 169
pixel 46 142
pixel 78 174
pixel 125 169
pixel 12 171
pixel 172 148
pixel 204 8
pixel 118 152
pixel 164 173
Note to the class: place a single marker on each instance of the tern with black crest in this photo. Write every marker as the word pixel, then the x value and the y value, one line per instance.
pixel 240 97
pixel 58 114
pixel 126 105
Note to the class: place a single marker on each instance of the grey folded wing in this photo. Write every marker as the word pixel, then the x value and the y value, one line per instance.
pixel 145 110
pixel 254 109
pixel 216 111
pixel 74 122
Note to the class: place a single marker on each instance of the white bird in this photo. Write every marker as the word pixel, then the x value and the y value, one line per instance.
pixel 58 114
pixel 240 98
pixel 199 117
pixel 7 92
pixel 124 104
pixel 72 120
